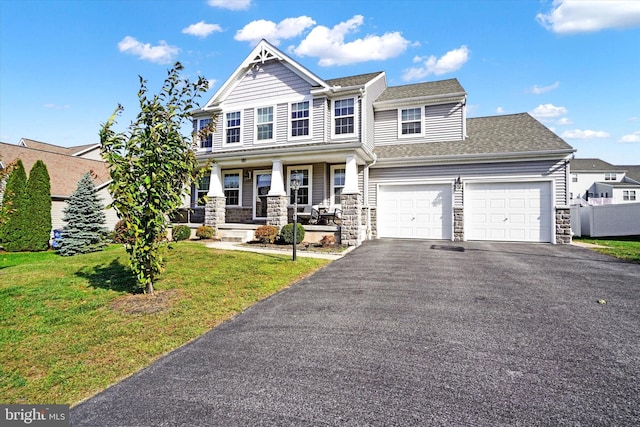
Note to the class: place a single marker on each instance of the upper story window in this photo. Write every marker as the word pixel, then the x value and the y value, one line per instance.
pixel 300 119
pixel 231 185
pixel 629 195
pixel 574 177
pixel 304 192
pixel 344 116
pixel 205 141
pixel 232 127
pixel 610 176
pixel 264 124
pixel 410 120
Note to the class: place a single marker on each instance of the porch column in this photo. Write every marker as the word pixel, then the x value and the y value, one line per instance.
pixel 277 200
pixel 215 209
pixel 351 230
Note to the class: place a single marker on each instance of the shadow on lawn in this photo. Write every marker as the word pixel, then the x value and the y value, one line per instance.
pixel 114 277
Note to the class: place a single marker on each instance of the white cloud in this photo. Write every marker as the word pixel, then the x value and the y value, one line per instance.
pixel 632 119
pixel 632 137
pixel 544 89
pixel 230 4
pixel 449 62
pixel 577 16
pixel 329 45
pixel 584 134
pixel 52 106
pixel 564 121
pixel 201 29
pixel 163 53
pixel 288 28
pixel 500 110
pixel 548 111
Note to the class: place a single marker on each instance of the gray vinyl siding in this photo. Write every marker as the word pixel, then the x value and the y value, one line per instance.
pixel 441 123
pixel 373 91
pixel 271 80
pixel 520 171
pixel 319 116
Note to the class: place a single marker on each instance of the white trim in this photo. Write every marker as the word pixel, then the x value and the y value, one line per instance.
pixel 298 168
pixel 332 186
pixel 274 113
pixel 302 138
pixel 421 119
pixel 332 118
pixel 240 180
pixel 225 127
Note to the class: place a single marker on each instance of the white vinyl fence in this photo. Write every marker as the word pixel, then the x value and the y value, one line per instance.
pixel 606 220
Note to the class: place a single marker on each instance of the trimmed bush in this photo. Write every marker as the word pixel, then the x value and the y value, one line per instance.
pixel 266 233
pixel 205 232
pixel 286 233
pixel 121 234
pixel 13 206
pixel 181 232
pixel 37 215
pixel 328 241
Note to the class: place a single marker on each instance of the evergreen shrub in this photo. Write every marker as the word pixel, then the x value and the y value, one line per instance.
pixel 286 233
pixel 181 232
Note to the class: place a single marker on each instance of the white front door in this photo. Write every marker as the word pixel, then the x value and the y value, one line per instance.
pixel 511 211
pixel 261 187
pixel 417 211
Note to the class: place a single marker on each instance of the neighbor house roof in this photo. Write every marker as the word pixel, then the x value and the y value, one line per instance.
pixel 64 170
pixel 632 171
pixel 593 165
pixel 487 136
pixel 70 151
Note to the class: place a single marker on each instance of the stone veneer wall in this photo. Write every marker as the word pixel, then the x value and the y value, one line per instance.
pixel 239 215
pixel 563 226
pixel 458 224
pixel 277 212
pixel 351 227
pixel 374 222
pixel 214 211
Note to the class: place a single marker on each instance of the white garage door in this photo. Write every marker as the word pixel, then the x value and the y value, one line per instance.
pixel 415 211
pixel 516 212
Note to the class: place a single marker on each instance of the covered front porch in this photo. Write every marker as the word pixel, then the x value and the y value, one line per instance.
pixel 243 194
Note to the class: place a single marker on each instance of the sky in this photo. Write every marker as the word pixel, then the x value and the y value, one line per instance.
pixel 574 65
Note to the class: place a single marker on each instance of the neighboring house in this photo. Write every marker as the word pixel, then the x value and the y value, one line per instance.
pixel 400 161
pixel 596 182
pixel 65 166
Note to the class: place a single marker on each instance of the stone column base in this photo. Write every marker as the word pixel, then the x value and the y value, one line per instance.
pixel 277 213
pixel 458 224
pixel 351 229
pixel 563 226
pixel 215 211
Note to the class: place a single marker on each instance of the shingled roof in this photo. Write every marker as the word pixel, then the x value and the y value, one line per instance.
pixel 593 165
pixel 64 170
pixel 496 135
pixel 419 90
pixel 358 80
pixel 631 171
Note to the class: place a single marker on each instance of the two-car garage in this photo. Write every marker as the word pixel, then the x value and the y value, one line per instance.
pixel 504 211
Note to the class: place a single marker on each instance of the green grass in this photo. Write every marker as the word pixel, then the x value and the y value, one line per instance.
pixel 70 326
pixel 626 248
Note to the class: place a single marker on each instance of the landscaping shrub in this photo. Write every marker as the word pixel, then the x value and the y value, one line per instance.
pixel 181 232
pixel 37 217
pixel 328 241
pixel 266 233
pixel 205 232
pixel 121 234
pixel 286 234
pixel 14 203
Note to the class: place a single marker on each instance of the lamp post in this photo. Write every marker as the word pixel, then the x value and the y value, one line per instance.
pixel 295 186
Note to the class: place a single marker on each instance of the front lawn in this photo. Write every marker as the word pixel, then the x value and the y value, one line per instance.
pixel 627 248
pixel 70 326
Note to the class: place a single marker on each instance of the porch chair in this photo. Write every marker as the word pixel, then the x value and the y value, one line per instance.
pixel 334 217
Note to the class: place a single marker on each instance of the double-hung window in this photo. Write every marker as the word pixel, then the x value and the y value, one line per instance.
pixel 629 195
pixel 574 177
pixel 410 122
pixel 264 124
pixel 232 127
pixel 304 192
pixel 610 176
pixel 300 119
pixel 344 114
pixel 206 141
pixel 338 174
pixel 231 185
pixel 201 189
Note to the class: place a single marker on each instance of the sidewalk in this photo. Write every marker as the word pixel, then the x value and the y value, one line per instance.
pixel 232 246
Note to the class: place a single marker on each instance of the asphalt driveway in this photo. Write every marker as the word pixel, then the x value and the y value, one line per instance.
pixel 411 333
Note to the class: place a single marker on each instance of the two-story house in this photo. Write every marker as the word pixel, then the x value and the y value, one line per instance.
pixel 596 182
pixel 398 161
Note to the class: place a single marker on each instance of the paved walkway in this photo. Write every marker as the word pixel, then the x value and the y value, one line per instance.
pixel 410 333
pixel 231 246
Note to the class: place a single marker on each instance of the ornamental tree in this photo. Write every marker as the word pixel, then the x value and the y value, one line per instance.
pixel 36 217
pixel 152 164
pixel 13 203
pixel 85 219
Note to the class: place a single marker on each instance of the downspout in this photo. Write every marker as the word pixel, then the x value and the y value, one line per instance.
pixel 366 195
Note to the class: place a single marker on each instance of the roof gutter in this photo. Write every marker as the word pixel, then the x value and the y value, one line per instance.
pixel 417 99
